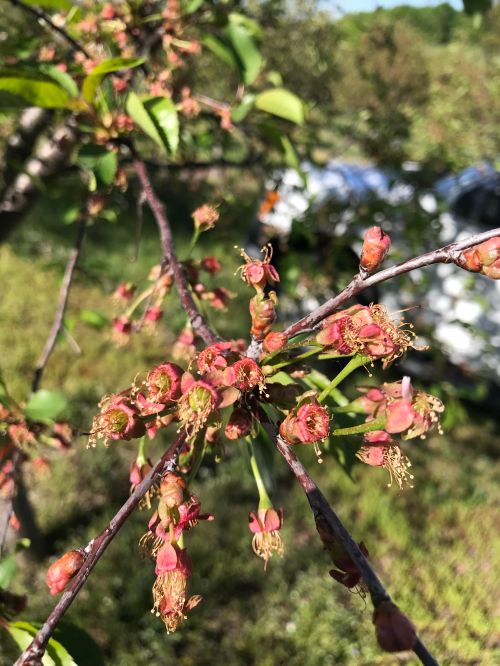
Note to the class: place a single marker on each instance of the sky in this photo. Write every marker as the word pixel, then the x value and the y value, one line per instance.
pixel 370 5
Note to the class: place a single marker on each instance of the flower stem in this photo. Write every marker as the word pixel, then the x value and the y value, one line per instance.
pixel 141 453
pixel 142 297
pixel 355 363
pixel 300 357
pixel 376 424
pixel 264 499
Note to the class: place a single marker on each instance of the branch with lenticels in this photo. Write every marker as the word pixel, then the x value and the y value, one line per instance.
pixel 197 320
pixel 444 255
pixel 327 519
pixel 33 654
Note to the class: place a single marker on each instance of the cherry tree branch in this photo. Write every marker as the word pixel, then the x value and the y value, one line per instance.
pixel 33 654
pixel 42 16
pixel 63 302
pixel 444 255
pixel 322 509
pixel 198 322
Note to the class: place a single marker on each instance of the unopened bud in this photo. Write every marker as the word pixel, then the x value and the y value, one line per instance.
pixel 274 341
pixel 172 489
pixel 376 245
pixel 393 629
pixel 62 571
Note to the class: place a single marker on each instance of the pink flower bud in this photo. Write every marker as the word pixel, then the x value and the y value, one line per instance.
pixel 239 424
pixel 274 341
pixel 263 314
pixel 376 245
pixel 211 265
pixel 394 631
pixel 172 489
pixel 124 291
pixel 61 572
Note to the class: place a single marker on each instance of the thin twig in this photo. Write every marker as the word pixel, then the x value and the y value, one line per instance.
pixel 33 654
pixel 444 255
pixel 61 307
pixel 197 320
pixel 41 15
pixel 322 509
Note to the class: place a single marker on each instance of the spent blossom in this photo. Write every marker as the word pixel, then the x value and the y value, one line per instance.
pixel 259 272
pixel 118 419
pixel 265 524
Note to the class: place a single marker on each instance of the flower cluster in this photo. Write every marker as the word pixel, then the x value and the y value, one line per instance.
pixel 366 330
pixel 178 511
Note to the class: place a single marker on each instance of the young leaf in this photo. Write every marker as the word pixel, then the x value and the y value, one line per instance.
pixel 248 54
pixel 45 405
pixel 102 162
pixel 164 114
pixel 62 78
pixel 56 654
pixel 50 4
pixel 282 103
pixel 8 569
pixel 34 88
pixel 93 80
pixel 222 50
pixel 94 318
pixel 137 111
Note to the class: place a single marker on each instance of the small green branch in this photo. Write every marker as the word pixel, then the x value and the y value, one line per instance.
pixel 355 363
pixel 376 424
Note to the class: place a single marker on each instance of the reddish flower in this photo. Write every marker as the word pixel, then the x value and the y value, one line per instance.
pixel 164 383
pixel 122 328
pixel 265 526
pixel 61 572
pixel 172 558
pixel 199 400
pixel 173 568
pixel 394 631
pixel 376 245
pixel 108 12
pixel 118 419
pixel 274 341
pixel 124 291
pixel 211 265
pixel 245 375
pixel 380 450
pixel 212 357
pixel 347 573
pixel 259 272
pixel 205 217
pixel 366 330
pixel 184 346
pixel 240 424
pixel 153 314
pixel 218 298
pixel 306 424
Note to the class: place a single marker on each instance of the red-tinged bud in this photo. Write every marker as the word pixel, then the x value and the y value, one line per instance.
pixel 483 258
pixel 211 265
pixel 263 313
pixel 153 314
pixel 164 383
pixel 394 631
pixel 119 85
pixel 95 204
pixel 245 375
pixel 239 424
pixel 489 251
pixel 119 419
pixel 172 489
pixel 122 328
pixel 265 524
pixel 124 291
pixel 376 245
pixel 205 217
pixel 62 571
pixel 108 12
pixel 259 272
pixel 274 341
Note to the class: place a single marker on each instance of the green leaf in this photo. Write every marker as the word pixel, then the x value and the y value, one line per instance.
pixel 34 88
pixel 190 6
pixel 101 162
pixel 164 116
pixel 157 117
pixel 62 78
pixel 222 50
pixel 94 318
pixel 93 80
pixel 248 54
pixel 8 569
pixel 282 103
pixel 80 644
pixel 56 654
pixel 50 4
pixel 45 405
pixel 240 112
pixel 136 110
